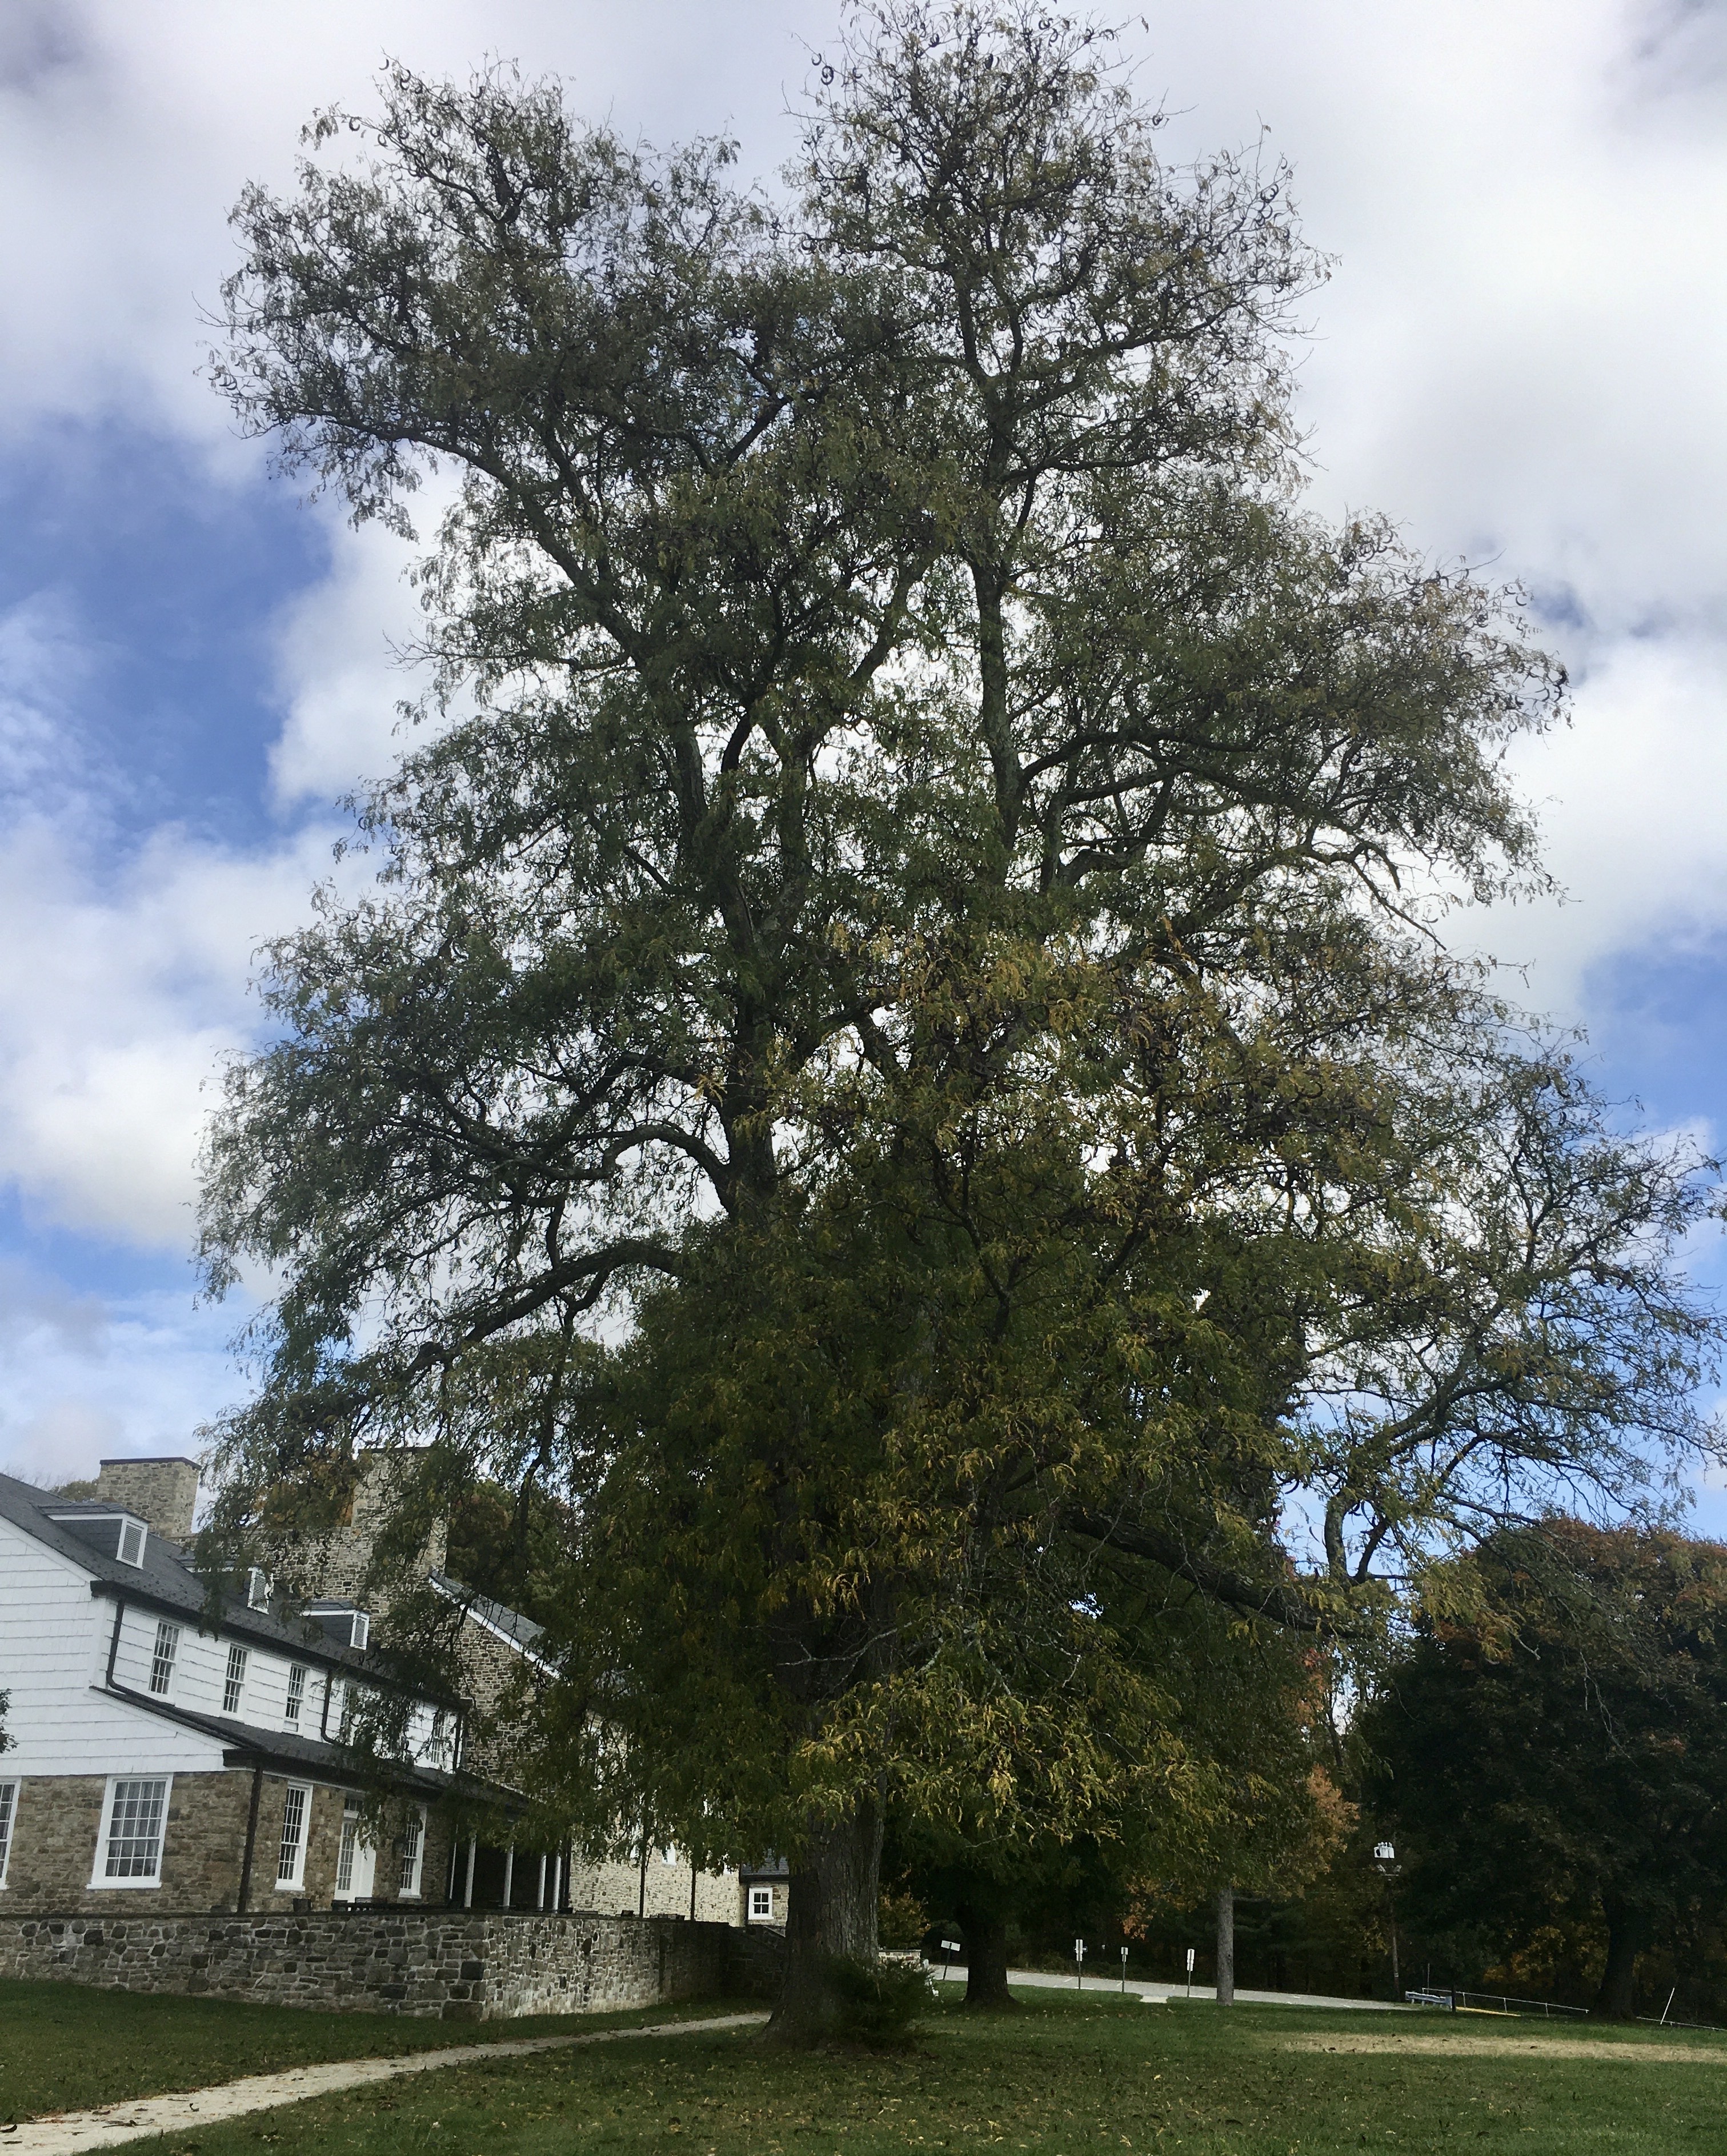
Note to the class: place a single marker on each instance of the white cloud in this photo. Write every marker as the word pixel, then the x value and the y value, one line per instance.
pixel 126 133
pixel 156 1372
pixel 342 668
pixel 1631 796
pixel 117 996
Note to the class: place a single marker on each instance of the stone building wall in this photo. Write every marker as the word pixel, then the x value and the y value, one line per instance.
pixel 59 1819
pixel 59 1822
pixel 442 1963
pixel 661 1889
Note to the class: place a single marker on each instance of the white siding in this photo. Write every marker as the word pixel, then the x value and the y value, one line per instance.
pixel 54 1648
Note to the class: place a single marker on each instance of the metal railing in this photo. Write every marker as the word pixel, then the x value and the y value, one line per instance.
pixel 1491 2002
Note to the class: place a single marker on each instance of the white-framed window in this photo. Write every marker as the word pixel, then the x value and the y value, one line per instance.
pixel 8 1813
pixel 361 1633
pixel 134 1816
pixel 350 1845
pixel 296 1817
pixel 761 1905
pixel 669 1856
pixel 296 1691
pixel 438 1745
pixel 234 1683
pixel 132 1542
pixel 162 1660
pixel 413 1849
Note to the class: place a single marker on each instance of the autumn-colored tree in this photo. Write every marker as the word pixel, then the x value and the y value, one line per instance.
pixel 891 1068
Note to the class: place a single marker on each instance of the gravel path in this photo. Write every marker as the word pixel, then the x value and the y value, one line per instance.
pixel 70 2131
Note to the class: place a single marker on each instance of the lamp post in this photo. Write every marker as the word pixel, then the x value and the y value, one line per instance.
pixel 1385 1862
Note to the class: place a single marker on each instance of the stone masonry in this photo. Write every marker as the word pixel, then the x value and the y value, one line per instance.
pixel 448 1964
pixel 163 1492
pixel 59 1821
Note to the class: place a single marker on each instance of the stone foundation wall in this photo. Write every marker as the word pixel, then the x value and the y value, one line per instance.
pixel 459 1966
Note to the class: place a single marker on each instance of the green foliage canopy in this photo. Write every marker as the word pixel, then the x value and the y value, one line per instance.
pixel 1561 1755
pixel 893 1060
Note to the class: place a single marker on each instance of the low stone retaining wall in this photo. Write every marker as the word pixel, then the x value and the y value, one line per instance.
pixel 457 1965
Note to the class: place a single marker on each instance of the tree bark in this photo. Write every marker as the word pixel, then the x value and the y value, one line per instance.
pixel 1226 1946
pixel 834 1905
pixel 1616 2000
pixel 985 1932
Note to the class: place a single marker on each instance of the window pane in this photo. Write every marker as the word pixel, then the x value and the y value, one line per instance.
pixel 293 1847
pixel 161 1662
pixel 296 1691
pixel 135 1830
pixel 235 1682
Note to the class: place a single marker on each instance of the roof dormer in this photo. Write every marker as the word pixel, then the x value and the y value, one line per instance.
pixel 340 1621
pixel 109 1531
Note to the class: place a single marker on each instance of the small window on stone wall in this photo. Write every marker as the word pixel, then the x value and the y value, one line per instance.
pixel 161 1662
pixel 292 1855
pixel 291 1858
pixel 344 1856
pixel 413 1849
pixel 8 1810
pixel 761 1905
pixel 234 1683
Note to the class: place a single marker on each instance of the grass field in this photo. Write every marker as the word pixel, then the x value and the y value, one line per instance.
pixel 69 2047
pixel 1060 2077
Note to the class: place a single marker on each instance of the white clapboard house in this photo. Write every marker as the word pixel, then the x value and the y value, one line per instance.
pixel 165 1746
pixel 162 1749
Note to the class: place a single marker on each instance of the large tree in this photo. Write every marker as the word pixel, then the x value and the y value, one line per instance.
pixel 1554 1749
pixel 893 1062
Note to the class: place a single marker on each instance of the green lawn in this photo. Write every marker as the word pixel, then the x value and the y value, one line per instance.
pixel 69 2047
pixel 1061 2077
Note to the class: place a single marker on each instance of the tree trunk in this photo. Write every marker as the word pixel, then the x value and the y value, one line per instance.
pixel 985 1932
pixel 833 1904
pixel 1226 1946
pixel 1618 1999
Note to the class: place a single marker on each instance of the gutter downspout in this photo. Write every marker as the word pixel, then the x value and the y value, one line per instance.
pixel 114 1637
pixel 245 1892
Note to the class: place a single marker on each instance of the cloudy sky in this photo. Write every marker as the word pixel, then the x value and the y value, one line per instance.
pixel 1519 357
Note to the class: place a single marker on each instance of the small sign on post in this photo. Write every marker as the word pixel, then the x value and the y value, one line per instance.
pixel 1124 1972
pixel 1079 1964
pixel 949 1948
pixel 1189 1972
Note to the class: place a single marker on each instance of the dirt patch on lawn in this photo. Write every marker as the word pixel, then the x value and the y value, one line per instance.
pixel 1463 2044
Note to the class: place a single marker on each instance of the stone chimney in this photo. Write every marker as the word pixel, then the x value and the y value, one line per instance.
pixel 346 1557
pixel 163 1492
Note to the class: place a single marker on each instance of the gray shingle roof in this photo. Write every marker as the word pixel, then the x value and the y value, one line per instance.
pixel 165 1577
pixel 522 1630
